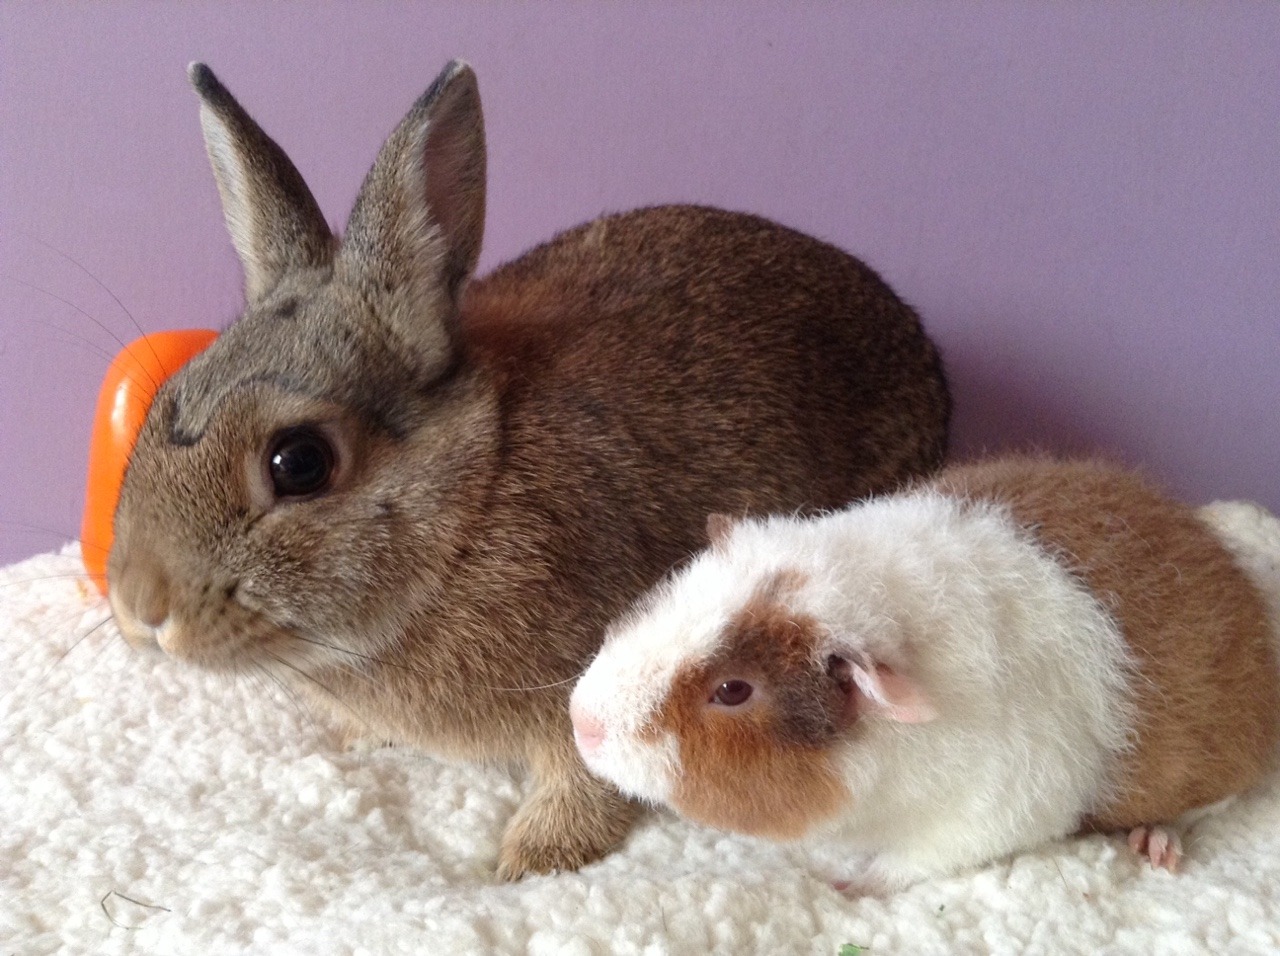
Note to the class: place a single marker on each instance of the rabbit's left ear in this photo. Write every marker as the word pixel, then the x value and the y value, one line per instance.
pixel 419 219
pixel 873 689
pixel 273 219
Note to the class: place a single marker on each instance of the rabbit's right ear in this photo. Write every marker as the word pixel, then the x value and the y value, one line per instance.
pixel 414 236
pixel 273 219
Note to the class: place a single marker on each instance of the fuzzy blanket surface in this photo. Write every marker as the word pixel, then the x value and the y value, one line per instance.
pixel 148 808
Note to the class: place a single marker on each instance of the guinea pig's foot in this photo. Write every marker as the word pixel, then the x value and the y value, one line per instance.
pixel 1161 845
pixel 359 740
pixel 859 888
pixel 564 824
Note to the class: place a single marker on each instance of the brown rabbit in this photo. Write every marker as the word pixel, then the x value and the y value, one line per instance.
pixel 421 499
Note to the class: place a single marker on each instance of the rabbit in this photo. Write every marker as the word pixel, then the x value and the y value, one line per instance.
pixel 420 498
pixel 926 681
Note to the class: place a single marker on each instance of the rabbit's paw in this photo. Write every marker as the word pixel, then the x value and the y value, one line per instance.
pixel 566 823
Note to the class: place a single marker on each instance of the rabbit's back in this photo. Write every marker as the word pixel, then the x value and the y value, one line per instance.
pixel 659 365
pixel 715 348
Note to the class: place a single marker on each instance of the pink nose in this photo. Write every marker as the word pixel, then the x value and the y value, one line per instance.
pixel 587 731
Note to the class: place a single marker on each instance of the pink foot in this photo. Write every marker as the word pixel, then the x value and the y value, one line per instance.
pixel 1162 847
pixel 859 887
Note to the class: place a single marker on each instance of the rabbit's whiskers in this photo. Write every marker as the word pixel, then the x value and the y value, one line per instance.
pixel 263 675
pixel 81 339
pixel 105 288
pixel 416 670
pixel 328 691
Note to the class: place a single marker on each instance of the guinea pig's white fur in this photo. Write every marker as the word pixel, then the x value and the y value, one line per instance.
pixel 1022 674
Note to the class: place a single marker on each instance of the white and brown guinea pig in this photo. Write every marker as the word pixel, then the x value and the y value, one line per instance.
pixel 1011 652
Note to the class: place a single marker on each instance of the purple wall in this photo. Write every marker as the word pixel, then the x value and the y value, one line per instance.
pixel 1082 199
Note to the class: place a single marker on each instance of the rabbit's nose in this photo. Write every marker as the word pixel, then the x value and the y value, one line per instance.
pixel 588 732
pixel 153 609
pixel 150 597
pixel 140 599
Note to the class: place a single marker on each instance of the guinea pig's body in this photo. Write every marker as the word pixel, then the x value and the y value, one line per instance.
pixel 933 679
pixel 421 499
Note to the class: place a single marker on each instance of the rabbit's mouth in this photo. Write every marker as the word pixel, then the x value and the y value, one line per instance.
pixel 137 634
pixel 220 635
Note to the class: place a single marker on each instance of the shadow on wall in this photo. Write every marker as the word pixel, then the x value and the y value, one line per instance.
pixel 1003 390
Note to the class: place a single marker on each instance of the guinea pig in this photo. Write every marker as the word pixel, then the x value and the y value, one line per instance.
pixel 416 499
pixel 929 680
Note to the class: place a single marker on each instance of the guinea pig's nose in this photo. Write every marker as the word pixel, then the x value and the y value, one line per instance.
pixel 588 732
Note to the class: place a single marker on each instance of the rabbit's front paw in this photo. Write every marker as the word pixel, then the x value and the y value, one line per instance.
pixel 564 825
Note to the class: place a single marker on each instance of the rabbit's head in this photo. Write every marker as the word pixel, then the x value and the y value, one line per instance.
pixel 291 487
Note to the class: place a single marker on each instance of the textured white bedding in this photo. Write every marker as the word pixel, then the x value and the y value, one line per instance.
pixel 147 808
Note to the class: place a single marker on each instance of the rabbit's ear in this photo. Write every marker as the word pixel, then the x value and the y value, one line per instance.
pixel 418 222
pixel 274 221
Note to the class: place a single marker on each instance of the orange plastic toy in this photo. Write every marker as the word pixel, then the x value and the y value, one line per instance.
pixel 127 390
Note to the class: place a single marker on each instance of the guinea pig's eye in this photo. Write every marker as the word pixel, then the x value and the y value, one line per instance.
pixel 300 462
pixel 732 693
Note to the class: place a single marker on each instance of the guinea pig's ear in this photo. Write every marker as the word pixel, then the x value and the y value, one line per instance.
pixel 875 689
pixel 719 527
pixel 273 219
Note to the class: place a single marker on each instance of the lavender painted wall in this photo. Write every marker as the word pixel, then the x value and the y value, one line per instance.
pixel 1082 199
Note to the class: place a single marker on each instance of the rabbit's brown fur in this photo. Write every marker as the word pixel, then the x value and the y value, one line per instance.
pixel 516 459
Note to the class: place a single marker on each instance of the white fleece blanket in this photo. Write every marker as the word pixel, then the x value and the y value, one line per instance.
pixel 148 808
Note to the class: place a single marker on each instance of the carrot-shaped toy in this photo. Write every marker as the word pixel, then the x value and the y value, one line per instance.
pixel 130 384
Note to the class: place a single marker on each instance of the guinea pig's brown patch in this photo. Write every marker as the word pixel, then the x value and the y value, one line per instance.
pixel 1206 692
pixel 763 768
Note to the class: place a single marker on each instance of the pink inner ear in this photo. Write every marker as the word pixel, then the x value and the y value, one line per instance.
pixel 719 528
pixel 885 692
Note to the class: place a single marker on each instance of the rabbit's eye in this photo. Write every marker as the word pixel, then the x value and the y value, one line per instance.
pixel 300 462
pixel 732 693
